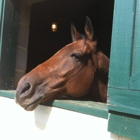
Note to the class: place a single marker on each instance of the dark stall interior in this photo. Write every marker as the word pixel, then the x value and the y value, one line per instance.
pixel 43 43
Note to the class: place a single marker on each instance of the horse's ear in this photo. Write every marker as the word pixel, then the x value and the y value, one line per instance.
pixel 74 34
pixel 89 29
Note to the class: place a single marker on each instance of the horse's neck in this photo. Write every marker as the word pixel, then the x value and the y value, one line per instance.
pixel 100 82
pixel 103 62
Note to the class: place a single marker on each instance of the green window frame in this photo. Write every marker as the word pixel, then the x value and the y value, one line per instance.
pixel 124 73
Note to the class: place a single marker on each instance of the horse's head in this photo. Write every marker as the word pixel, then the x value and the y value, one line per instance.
pixel 71 71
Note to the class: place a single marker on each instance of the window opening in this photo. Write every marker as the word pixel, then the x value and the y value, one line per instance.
pixel 43 43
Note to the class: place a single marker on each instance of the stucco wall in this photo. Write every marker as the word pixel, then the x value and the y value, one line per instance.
pixel 50 123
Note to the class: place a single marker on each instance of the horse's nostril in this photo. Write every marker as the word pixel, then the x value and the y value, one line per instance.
pixel 24 91
pixel 26 88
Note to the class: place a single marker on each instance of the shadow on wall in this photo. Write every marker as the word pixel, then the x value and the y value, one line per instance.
pixel 42 114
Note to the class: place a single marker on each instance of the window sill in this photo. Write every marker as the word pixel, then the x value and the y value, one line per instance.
pixel 86 107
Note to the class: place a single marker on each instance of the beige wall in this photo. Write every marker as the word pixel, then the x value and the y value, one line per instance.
pixel 50 123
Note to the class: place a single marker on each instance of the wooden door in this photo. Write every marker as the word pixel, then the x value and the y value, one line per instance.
pixel 124 73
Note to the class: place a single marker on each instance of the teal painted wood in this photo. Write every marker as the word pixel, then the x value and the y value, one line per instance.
pixel 125 101
pixel 134 82
pixel 2 7
pixel 124 71
pixel 121 45
pixel 1 3
pixel 135 72
pixel 136 42
pixel 7 93
pixel 124 125
pixel 85 107
pixel 124 74
pixel 8 45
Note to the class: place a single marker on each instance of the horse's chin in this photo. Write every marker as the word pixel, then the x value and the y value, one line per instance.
pixel 33 105
pixel 30 106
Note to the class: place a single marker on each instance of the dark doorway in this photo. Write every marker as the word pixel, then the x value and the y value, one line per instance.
pixel 43 43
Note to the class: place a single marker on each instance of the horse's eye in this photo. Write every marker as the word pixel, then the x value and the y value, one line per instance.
pixel 76 56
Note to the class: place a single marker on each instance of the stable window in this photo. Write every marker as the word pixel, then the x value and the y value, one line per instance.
pixel 19 17
pixel 35 42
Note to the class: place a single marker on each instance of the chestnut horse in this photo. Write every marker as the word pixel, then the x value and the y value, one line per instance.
pixel 79 69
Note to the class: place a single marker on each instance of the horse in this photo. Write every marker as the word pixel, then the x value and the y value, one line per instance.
pixel 78 70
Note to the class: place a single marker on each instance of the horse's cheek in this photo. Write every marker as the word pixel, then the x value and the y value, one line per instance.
pixel 80 84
